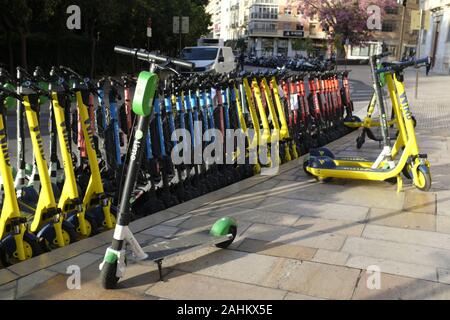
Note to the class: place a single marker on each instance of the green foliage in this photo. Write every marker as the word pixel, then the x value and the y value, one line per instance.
pixel 41 24
pixel 305 44
pixel 241 45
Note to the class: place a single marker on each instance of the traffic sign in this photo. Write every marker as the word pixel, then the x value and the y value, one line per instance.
pixel 184 24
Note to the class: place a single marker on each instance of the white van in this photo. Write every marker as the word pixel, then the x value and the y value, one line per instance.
pixel 210 58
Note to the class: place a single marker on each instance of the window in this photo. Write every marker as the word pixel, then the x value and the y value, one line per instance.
pixel 391 10
pixel 199 53
pixel 360 51
pixel 389 26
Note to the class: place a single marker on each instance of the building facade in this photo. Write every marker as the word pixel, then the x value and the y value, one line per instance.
pixel 390 34
pixel 435 40
pixel 269 27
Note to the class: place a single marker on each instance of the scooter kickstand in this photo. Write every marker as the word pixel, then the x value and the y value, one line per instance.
pixel 159 263
pixel 399 184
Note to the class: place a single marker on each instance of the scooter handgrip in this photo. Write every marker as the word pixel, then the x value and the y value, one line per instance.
pixel 144 55
pixel 125 50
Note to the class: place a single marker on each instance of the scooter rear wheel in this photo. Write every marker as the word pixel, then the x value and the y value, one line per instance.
pixel 49 235
pixel 226 244
pixel 8 250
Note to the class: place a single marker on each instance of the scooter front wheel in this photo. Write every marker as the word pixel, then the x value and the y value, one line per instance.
pixel 108 276
pixel 423 182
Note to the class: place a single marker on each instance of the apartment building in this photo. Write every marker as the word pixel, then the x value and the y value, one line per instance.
pixel 390 34
pixel 435 40
pixel 270 27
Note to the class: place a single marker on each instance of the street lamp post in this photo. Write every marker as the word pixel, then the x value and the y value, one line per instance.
pixel 403 3
pixel 419 41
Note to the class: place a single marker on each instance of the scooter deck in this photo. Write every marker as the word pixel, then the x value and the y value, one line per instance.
pixel 343 168
pixel 183 244
pixel 180 245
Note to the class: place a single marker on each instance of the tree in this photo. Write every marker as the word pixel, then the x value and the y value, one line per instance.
pixel 37 30
pixel 305 44
pixel 346 18
pixel 241 45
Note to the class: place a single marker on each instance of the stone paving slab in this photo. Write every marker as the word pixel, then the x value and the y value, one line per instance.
pixel 297 296
pixel 402 219
pixel 422 202
pixel 443 275
pixel 418 237
pixel 402 288
pixel 8 291
pixel 394 267
pixel 31 281
pixel 319 240
pixel 344 192
pixel 190 286
pixel 443 224
pixel 324 210
pixel 7 276
pixel 277 249
pixel 345 227
pixel 319 280
pixel 397 251
pixel 331 257
pixel 260 215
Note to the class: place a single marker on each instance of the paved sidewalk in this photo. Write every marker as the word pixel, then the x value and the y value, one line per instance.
pixel 297 238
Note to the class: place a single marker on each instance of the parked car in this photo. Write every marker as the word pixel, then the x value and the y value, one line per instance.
pixel 210 58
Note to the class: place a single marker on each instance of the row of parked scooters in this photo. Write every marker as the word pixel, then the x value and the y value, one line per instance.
pixel 99 141
pixel 299 63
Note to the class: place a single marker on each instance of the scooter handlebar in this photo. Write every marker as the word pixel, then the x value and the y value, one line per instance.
pixel 10 93
pixel 405 64
pixel 147 56
pixel 70 71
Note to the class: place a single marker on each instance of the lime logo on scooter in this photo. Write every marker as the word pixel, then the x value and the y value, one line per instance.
pixel 39 140
pixel 136 144
pixel 4 145
pixel 405 106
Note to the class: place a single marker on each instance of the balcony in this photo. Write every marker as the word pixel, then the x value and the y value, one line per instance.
pixel 262 32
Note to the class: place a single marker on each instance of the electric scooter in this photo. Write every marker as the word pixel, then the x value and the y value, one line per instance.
pixel 416 164
pixel 96 202
pixel 48 221
pixel 17 243
pixel 222 233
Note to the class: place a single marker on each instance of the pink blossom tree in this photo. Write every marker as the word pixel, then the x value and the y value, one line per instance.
pixel 344 19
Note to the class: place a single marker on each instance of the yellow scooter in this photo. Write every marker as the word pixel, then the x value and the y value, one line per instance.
pixel 416 164
pixel 17 243
pixel 96 203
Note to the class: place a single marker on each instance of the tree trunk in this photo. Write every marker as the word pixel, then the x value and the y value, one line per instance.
pixel 93 55
pixel 10 51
